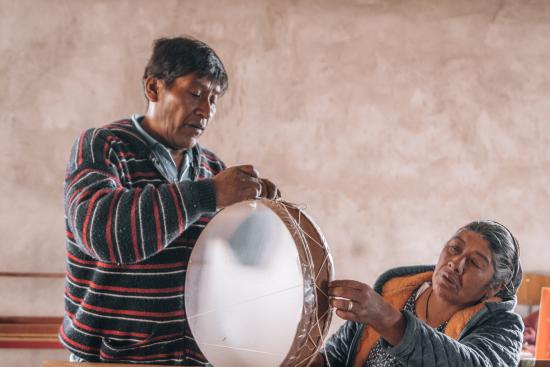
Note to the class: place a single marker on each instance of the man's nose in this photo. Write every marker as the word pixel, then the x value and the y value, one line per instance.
pixel 205 109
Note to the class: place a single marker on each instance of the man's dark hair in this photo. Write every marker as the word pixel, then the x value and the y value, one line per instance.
pixel 180 56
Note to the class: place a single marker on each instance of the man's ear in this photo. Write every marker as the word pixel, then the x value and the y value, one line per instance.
pixel 152 87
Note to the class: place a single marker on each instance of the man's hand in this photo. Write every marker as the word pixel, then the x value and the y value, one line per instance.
pixel 269 190
pixel 241 183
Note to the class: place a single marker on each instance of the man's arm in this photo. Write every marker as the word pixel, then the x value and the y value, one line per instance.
pixel 116 224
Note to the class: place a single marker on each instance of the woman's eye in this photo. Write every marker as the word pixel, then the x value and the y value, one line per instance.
pixel 476 264
pixel 453 249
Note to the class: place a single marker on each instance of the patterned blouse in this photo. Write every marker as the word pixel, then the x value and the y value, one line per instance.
pixel 379 355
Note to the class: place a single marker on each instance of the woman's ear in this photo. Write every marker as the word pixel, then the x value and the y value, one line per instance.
pixel 492 290
pixel 152 86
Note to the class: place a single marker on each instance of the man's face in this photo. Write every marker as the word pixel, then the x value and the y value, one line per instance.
pixel 183 110
pixel 465 269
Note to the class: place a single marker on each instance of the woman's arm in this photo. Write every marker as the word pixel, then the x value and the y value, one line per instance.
pixel 495 342
pixel 337 348
pixel 356 301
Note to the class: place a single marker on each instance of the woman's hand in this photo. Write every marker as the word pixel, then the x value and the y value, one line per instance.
pixel 355 301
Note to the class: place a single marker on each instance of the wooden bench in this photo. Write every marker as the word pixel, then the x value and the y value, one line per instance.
pixel 30 332
pixel 87 364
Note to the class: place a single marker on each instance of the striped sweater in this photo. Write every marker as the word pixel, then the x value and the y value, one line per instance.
pixel 129 237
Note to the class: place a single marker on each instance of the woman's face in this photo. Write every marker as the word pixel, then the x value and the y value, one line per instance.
pixel 465 269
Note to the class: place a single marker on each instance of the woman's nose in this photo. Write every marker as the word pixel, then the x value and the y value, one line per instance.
pixel 457 264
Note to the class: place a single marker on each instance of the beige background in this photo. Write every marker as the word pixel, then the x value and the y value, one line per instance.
pixel 392 122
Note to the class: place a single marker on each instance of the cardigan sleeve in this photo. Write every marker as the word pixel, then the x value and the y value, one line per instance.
pixel 117 224
pixel 495 342
pixel 337 348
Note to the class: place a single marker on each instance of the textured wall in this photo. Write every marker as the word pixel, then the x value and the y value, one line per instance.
pixel 392 122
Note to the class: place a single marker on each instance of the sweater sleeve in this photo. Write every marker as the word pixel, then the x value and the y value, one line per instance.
pixel 337 348
pixel 118 224
pixel 495 342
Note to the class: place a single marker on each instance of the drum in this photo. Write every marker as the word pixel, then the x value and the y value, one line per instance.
pixel 256 286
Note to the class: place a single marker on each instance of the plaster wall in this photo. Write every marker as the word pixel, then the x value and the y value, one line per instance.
pixel 392 122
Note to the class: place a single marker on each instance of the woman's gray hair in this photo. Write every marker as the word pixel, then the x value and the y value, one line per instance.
pixel 505 251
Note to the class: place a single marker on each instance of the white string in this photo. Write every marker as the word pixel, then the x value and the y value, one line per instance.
pixel 298 227
pixel 243 302
pixel 320 268
pixel 243 349
pixel 314 241
pixel 306 238
pixel 317 324
pixel 299 230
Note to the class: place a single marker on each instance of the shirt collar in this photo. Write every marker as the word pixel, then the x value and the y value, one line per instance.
pixel 153 143
pixel 136 120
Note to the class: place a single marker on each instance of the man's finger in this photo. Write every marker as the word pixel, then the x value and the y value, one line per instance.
pixel 270 189
pixel 249 170
pixel 265 189
pixel 256 189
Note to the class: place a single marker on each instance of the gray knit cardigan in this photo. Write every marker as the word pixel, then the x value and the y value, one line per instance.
pixel 493 337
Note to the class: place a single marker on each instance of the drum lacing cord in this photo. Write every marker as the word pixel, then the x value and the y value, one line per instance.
pixel 237 304
pixel 243 302
pixel 317 320
pixel 297 227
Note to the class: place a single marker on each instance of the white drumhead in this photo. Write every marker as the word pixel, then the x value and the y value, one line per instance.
pixel 244 288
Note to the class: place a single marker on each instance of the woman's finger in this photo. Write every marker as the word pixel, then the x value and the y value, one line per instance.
pixel 348 283
pixel 345 292
pixel 343 304
pixel 349 316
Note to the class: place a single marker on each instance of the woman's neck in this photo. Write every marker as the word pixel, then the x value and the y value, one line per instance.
pixel 438 310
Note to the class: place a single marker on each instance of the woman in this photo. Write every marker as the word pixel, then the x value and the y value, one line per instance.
pixel 458 313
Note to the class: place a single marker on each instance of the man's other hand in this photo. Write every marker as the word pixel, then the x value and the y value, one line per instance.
pixel 239 183
pixel 269 190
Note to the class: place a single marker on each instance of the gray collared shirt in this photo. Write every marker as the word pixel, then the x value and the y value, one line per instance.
pixel 163 159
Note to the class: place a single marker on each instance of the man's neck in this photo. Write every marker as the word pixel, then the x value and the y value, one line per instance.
pixel 147 124
pixel 178 157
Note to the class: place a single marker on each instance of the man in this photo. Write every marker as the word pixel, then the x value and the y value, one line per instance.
pixel 137 194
